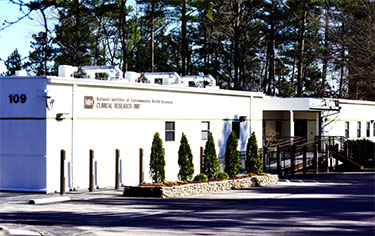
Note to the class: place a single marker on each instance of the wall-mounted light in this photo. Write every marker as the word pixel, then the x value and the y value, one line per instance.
pixel 243 118
pixel 61 116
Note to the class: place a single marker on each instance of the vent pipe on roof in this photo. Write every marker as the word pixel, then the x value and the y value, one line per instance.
pixel 21 73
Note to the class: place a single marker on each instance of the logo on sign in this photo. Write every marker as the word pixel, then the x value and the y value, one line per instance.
pixel 88 102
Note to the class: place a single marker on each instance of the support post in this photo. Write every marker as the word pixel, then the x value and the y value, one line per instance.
pixel 264 159
pixel 278 156
pixel 316 161
pixel 326 154
pixel 291 121
pixel 62 172
pixel 141 178
pixel 347 151
pixel 304 159
pixel 117 174
pixel 292 158
pixel 336 155
pixel 91 171
pixel 201 159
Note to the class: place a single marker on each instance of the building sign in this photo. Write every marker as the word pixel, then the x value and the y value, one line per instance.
pixel 91 102
pixel 88 102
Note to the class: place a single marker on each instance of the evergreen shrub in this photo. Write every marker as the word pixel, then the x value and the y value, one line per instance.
pixel 200 177
pixel 232 156
pixel 222 175
pixel 185 160
pixel 210 161
pixel 253 162
pixel 157 160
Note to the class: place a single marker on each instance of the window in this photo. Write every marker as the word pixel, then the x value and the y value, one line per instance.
pixel 367 129
pixel 236 128
pixel 346 129
pixel 278 129
pixel 169 130
pixel 358 129
pixel 205 129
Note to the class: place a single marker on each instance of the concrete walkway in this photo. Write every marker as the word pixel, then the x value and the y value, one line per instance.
pixel 326 204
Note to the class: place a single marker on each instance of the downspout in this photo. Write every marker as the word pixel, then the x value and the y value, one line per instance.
pixel 74 118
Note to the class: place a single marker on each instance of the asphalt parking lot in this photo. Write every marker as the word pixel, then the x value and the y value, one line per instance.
pixel 326 204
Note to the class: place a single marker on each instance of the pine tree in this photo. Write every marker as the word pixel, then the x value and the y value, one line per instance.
pixel 232 156
pixel 210 161
pixel 157 161
pixel 253 161
pixel 13 63
pixel 37 57
pixel 185 160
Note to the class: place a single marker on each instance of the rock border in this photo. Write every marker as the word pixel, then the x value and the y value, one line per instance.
pixel 200 188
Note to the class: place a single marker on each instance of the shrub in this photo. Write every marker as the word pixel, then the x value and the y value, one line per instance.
pixel 200 177
pixel 210 161
pixel 253 161
pixel 362 151
pixel 232 156
pixel 222 175
pixel 157 161
pixel 185 160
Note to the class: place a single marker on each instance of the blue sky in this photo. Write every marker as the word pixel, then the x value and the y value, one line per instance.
pixel 18 35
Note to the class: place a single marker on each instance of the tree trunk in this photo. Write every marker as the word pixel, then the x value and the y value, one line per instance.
pixel 342 63
pixel 301 51
pixel 342 71
pixel 152 35
pixel 124 36
pixel 96 56
pixel 265 81
pixel 45 58
pixel 271 83
pixel 183 37
pixel 236 40
pixel 325 54
pixel 293 68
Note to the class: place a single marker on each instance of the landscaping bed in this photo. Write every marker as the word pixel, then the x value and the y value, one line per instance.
pixel 187 188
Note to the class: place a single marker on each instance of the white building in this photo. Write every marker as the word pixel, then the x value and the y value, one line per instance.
pixel 42 115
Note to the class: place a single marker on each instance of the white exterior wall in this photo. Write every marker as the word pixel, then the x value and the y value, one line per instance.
pixel 107 129
pixel 32 137
pixel 352 112
pixel 23 135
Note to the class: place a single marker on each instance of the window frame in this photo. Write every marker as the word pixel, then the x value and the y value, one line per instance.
pixel 170 131
pixel 205 132
pixel 237 125
pixel 359 126
pixel 368 129
pixel 347 129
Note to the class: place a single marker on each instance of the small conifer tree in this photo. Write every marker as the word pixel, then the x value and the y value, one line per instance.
pixel 185 160
pixel 253 161
pixel 232 156
pixel 210 161
pixel 157 161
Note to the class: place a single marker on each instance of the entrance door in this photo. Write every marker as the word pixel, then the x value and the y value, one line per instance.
pixel 300 128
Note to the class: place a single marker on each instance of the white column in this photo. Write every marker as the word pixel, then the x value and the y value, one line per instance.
pixel 317 124
pixel 291 123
